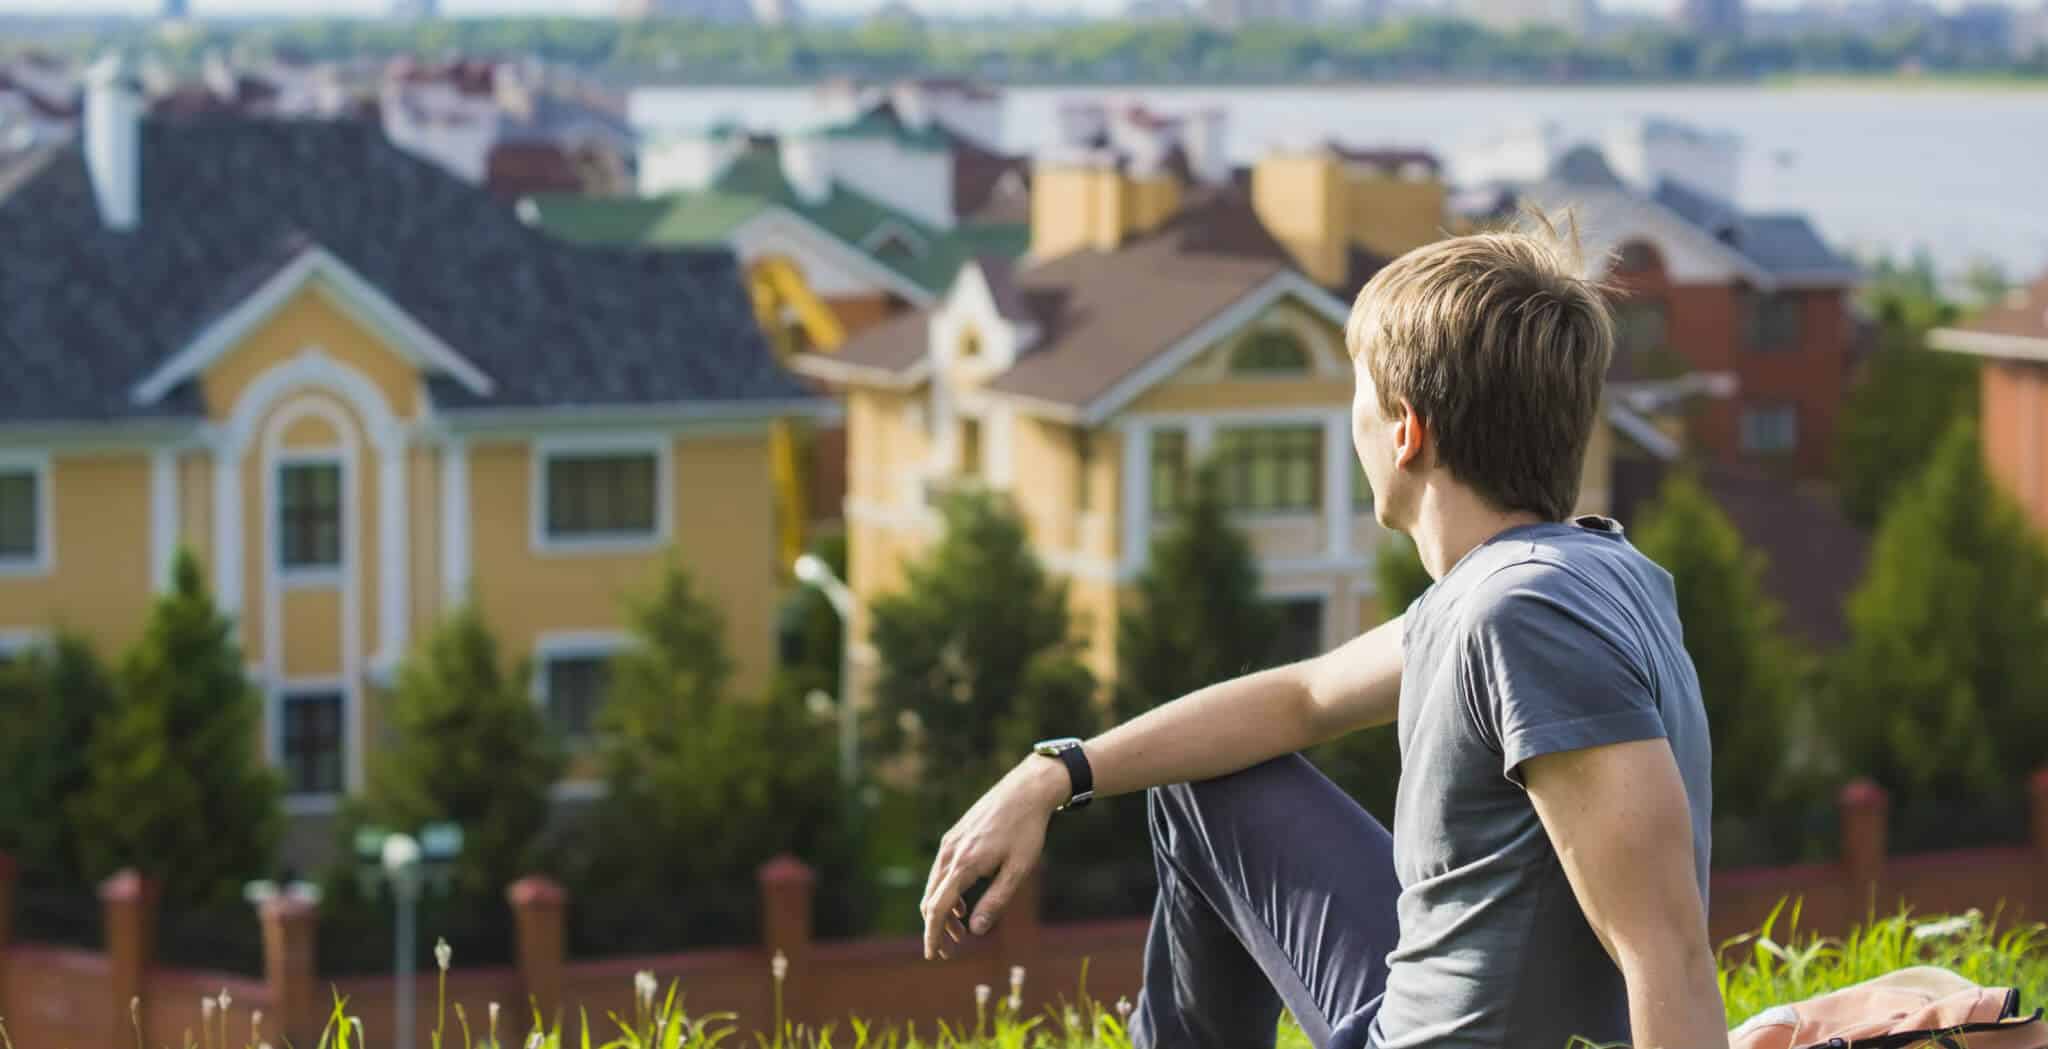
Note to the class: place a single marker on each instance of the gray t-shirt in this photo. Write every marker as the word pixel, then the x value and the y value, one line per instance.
pixel 1545 638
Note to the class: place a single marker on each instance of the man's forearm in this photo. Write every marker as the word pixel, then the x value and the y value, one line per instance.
pixel 1674 1002
pixel 1238 723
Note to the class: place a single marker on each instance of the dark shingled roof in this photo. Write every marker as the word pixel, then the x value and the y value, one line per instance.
pixel 1784 246
pixel 1104 314
pixel 86 313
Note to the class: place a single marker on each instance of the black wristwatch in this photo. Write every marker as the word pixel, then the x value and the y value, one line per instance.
pixel 1068 752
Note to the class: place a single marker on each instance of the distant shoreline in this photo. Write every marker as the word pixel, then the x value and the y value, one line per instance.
pixel 1958 82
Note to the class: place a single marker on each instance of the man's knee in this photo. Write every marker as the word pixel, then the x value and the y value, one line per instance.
pixel 1174 809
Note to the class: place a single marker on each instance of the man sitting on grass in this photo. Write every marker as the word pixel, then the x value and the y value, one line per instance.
pixel 1547 875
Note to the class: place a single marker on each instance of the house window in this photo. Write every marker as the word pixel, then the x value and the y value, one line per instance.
pixel 1772 322
pixel 970 447
pixel 1301 629
pixel 309 515
pixel 311 742
pixel 21 515
pixel 602 495
pixel 1361 489
pixel 1270 353
pixel 1770 429
pixel 1170 481
pixel 1641 326
pixel 572 686
pixel 1271 468
pixel 970 344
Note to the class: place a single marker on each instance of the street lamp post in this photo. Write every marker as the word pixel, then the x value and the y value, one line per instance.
pixel 407 864
pixel 812 571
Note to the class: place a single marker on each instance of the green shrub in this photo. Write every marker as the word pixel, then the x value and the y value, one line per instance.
pixel 50 700
pixel 178 788
pixel 702 788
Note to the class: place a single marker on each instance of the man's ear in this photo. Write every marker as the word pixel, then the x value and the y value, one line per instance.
pixel 1411 437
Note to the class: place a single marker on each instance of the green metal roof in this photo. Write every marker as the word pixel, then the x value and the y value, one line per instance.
pixel 882 122
pixel 754 184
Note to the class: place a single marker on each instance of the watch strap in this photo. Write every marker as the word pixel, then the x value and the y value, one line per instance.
pixel 1079 771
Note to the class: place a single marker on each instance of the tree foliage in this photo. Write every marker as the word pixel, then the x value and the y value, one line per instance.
pixel 1197 616
pixel 977 659
pixel 1750 674
pixel 467 745
pixel 177 786
pixel 1904 399
pixel 51 697
pixel 702 788
pixel 1941 688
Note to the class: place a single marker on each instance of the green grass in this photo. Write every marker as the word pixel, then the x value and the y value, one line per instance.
pixel 1775 964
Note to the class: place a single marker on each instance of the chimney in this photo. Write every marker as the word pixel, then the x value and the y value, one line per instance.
pixel 807 167
pixel 113 154
pixel 1081 200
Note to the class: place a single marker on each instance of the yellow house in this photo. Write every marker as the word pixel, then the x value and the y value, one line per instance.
pixel 1089 385
pixel 361 393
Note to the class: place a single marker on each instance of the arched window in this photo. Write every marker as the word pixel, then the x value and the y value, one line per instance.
pixel 970 344
pixel 1270 353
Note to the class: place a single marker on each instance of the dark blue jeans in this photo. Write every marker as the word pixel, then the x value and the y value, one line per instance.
pixel 1275 888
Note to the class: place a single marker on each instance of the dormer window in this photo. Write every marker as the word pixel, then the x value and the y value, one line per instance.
pixel 1270 353
pixel 894 241
pixel 970 345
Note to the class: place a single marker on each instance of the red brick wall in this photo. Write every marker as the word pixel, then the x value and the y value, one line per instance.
pixel 2014 427
pixel 1706 327
pixel 55 997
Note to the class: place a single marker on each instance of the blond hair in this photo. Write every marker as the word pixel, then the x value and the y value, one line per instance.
pixel 1501 343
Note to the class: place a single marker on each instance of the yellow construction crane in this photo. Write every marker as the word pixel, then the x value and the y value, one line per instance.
pixel 795 320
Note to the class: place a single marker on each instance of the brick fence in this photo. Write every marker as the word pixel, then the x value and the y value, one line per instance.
pixel 65 998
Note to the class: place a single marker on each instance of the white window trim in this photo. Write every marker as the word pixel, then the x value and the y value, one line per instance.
pixel 571 644
pixel 661 446
pixel 324 577
pixel 273 742
pixel 44 561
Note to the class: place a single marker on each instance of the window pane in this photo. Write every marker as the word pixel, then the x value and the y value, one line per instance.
pixel 18 514
pixel 1271 353
pixel 575 686
pixel 312 742
pixel 1641 326
pixel 1272 468
pixel 1084 459
pixel 1361 490
pixel 1169 470
pixel 309 515
pixel 1301 629
pixel 602 495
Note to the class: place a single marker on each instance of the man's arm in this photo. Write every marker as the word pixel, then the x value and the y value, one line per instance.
pixel 1618 818
pixel 1212 732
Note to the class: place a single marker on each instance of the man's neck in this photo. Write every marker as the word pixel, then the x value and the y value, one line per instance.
pixel 1451 522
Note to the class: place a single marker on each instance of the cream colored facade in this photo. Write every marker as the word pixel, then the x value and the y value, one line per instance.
pixel 316 374
pixel 1086 490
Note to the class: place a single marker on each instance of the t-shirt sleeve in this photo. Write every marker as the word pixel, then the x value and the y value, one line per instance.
pixel 1550 670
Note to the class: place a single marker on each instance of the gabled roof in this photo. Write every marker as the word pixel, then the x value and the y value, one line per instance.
pixel 1784 245
pixel 86 315
pixel 754 184
pixel 1108 320
pixel 882 121
pixel 2017 327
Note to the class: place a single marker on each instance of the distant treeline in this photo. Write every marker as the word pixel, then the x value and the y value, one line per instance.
pixel 1408 50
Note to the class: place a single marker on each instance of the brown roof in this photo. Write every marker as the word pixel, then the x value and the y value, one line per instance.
pixel 1102 315
pixel 2024 313
pixel 976 173
pixel 1001 274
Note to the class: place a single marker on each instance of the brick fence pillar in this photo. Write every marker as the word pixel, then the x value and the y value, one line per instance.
pixel 1865 813
pixel 787 891
pixel 129 901
pixel 1016 933
pixel 291 971
pixel 539 921
pixel 8 874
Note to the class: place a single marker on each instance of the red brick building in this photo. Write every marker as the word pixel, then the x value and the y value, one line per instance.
pixel 2013 413
pixel 1757 303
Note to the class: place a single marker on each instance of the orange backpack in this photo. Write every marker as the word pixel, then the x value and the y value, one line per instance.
pixel 1918 1008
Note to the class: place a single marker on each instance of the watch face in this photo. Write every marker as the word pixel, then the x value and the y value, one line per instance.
pixel 1051 747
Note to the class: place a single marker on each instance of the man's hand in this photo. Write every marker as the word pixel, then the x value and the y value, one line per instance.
pixel 1001 837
